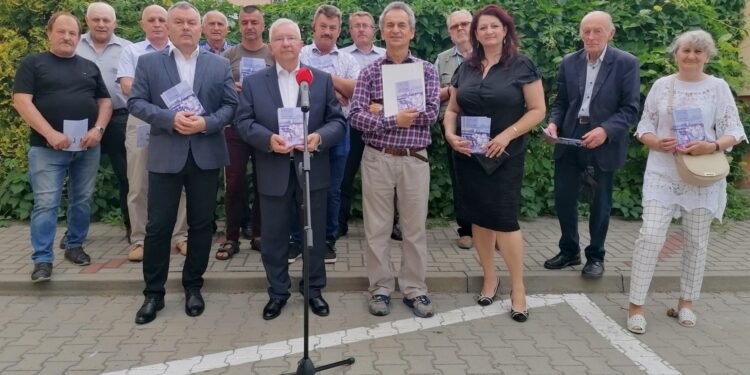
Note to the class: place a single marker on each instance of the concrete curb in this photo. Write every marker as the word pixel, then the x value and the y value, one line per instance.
pixel 563 281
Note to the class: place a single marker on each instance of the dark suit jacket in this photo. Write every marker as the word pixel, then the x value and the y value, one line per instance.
pixel 614 103
pixel 257 120
pixel 213 85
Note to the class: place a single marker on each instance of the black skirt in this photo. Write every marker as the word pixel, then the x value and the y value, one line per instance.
pixel 490 201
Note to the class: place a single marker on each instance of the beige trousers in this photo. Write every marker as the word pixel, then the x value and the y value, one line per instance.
pixel 138 189
pixel 410 177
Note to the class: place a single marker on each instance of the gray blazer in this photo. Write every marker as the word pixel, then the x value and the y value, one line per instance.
pixel 168 150
pixel 257 120
pixel 614 102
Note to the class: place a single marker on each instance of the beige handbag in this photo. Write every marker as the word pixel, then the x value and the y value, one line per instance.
pixel 699 170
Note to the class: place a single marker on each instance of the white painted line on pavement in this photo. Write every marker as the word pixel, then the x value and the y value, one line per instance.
pixel 631 347
pixel 621 339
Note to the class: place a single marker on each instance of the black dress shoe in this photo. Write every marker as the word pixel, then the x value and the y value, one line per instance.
pixel 273 308
pixel 194 304
pixel 593 269
pixel 561 261
pixel 319 306
pixel 147 312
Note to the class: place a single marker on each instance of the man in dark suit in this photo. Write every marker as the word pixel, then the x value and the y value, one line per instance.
pixel 186 150
pixel 279 179
pixel 597 101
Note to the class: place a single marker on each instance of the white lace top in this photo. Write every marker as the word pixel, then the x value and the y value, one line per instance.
pixel 720 116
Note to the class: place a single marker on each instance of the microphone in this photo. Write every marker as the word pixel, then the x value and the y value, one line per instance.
pixel 304 79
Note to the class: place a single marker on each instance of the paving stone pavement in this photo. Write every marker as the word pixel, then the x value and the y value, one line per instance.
pixel 96 334
pixel 450 269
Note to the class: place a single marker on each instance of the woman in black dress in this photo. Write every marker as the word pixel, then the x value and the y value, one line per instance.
pixel 499 83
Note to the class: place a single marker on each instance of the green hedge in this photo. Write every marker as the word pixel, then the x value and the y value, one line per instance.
pixel 548 28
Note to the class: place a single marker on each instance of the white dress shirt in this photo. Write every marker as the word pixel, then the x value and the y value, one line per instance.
pixel 186 67
pixel 288 85
pixel 592 71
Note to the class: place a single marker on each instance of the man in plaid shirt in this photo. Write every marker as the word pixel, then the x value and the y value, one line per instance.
pixel 395 156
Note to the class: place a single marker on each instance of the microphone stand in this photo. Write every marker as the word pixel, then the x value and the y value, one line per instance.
pixel 305 365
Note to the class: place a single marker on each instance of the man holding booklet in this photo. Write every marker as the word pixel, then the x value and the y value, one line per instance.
pixel 64 100
pixel 188 96
pixel 269 118
pixel 395 156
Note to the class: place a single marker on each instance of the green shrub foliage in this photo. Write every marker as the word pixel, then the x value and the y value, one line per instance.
pixel 548 29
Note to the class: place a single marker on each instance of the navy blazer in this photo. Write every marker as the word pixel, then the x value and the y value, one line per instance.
pixel 257 120
pixel 614 104
pixel 168 150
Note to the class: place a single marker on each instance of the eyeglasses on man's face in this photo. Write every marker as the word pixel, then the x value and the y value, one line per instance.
pixel 456 26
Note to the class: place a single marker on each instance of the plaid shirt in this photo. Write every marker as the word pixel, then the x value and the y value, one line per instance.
pixel 381 131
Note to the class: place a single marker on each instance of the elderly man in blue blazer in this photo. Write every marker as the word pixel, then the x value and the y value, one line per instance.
pixel 597 101
pixel 186 151
pixel 277 161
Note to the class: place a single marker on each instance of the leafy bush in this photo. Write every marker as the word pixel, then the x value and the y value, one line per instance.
pixel 548 29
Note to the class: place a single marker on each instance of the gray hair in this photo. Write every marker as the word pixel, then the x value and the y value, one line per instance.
pixel 226 20
pixel 456 13
pixel 143 13
pixel 396 5
pixel 282 22
pixel 696 38
pixel 102 5
pixel 184 5
pixel 608 18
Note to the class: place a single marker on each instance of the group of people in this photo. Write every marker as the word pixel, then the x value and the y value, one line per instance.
pixel 168 160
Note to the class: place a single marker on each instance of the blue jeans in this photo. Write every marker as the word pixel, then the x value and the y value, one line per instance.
pixel 47 169
pixel 337 158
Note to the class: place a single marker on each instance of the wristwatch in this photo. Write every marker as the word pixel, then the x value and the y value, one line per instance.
pixel 100 129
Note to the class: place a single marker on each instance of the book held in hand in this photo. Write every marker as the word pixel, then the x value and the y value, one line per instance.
pixel 250 65
pixel 75 130
pixel 561 140
pixel 687 125
pixel 290 126
pixel 403 86
pixel 476 129
pixel 181 98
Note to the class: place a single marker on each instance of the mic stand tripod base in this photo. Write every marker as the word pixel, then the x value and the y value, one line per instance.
pixel 305 366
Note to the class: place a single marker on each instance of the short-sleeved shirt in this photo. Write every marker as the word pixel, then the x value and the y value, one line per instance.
pixel 342 64
pixel 107 61
pixel 236 53
pixel 498 96
pixel 203 44
pixel 129 58
pixel 62 89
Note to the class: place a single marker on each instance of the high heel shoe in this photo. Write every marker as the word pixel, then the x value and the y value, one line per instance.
pixel 519 316
pixel 483 300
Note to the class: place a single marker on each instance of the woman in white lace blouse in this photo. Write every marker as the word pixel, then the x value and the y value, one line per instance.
pixel 665 195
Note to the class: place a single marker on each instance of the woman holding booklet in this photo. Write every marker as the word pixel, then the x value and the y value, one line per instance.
pixel 693 113
pixel 497 93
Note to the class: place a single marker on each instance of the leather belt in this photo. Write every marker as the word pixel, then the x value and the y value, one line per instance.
pixel 584 120
pixel 119 112
pixel 402 152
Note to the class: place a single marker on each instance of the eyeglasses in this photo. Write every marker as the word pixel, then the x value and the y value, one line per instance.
pixel 464 25
pixel 362 26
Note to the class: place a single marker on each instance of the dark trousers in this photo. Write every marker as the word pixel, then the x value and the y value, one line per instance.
pixel 113 145
pixel 277 215
pixel 567 185
pixel 464 226
pixel 236 205
pixel 163 197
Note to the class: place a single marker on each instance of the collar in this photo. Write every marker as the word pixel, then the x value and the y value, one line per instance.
pixel 409 59
pixel 279 69
pixel 193 55
pixel 168 47
pixel 113 40
pixel 207 47
pixel 601 57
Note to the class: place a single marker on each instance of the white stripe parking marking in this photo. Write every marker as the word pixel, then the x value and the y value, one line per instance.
pixel 636 351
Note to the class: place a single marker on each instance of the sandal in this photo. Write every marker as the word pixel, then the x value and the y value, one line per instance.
pixel 686 317
pixel 227 250
pixel 637 324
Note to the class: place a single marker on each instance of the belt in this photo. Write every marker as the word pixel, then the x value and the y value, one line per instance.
pixel 402 152
pixel 584 120
pixel 119 112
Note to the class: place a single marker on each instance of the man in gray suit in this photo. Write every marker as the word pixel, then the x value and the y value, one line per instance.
pixel 279 184
pixel 186 149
